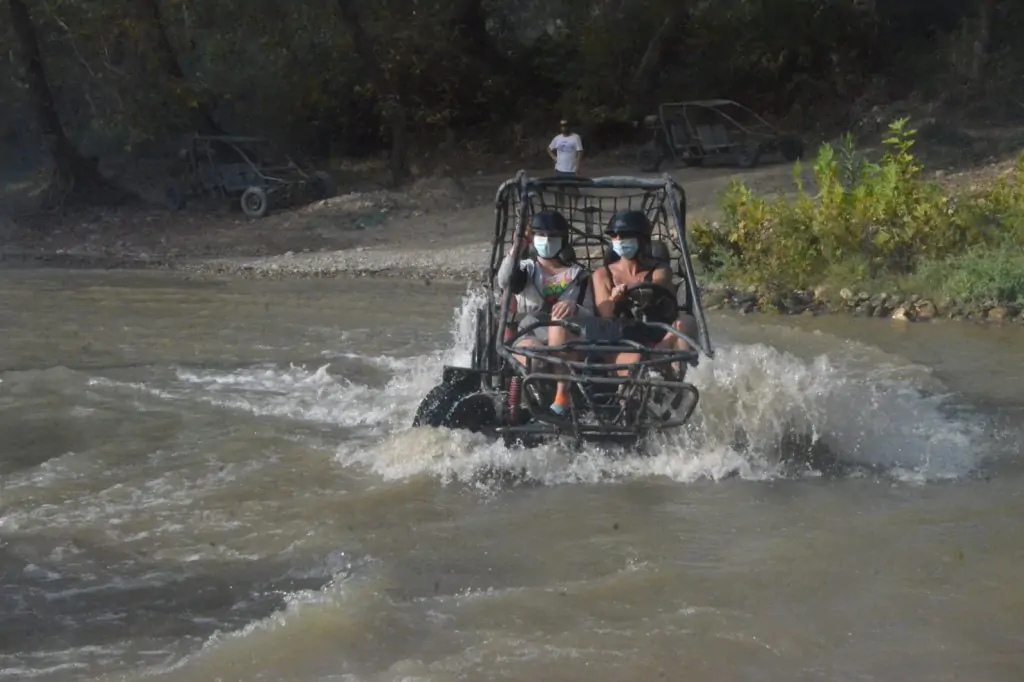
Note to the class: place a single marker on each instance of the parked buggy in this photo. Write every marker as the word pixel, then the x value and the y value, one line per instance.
pixel 691 132
pixel 239 169
pixel 498 395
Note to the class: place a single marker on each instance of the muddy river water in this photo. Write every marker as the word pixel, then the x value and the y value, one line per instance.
pixel 212 480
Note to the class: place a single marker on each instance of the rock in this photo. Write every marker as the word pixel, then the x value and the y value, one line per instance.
pixel 748 306
pixel 821 292
pixel 998 314
pixel 746 298
pixel 863 296
pixel 902 313
pixel 752 289
pixel 924 310
pixel 715 299
pixel 845 294
pixel 883 310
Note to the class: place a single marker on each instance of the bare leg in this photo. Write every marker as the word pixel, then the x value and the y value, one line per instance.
pixel 686 324
pixel 557 336
pixel 526 342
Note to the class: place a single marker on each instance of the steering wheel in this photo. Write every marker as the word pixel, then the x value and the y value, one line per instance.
pixel 653 301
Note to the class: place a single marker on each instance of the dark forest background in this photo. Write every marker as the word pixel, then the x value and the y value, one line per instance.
pixel 82 80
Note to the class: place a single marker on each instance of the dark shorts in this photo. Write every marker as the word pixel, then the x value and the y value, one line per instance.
pixel 648 336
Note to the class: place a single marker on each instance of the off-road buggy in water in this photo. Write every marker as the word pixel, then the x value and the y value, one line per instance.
pixel 500 396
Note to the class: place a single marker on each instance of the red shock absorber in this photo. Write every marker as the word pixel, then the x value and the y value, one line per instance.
pixel 513 399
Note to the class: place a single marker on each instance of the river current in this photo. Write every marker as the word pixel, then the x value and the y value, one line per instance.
pixel 217 480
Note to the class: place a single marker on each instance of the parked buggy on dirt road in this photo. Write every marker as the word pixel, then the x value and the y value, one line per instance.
pixel 503 398
pixel 691 132
pixel 237 168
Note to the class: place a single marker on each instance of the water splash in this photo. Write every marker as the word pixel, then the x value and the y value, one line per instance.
pixel 764 413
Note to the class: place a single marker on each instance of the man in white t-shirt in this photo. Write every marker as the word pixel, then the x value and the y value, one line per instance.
pixel 566 150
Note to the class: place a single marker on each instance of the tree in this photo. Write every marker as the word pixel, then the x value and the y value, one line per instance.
pixel 167 58
pixel 73 173
pixel 389 98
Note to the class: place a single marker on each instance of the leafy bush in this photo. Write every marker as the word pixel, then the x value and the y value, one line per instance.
pixel 880 219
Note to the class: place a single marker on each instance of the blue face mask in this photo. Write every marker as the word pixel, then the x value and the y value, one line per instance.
pixel 547 247
pixel 626 248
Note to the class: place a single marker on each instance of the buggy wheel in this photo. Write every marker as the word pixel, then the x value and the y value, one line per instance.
pixel 254 202
pixel 321 186
pixel 450 406
pixel 748 155
pixel 693 161
pixel 792 148
pixel 649 158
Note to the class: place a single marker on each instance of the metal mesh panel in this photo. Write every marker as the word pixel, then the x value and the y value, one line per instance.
pixel 589 210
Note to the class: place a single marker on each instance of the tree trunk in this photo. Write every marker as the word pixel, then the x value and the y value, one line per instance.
pixel 645 75
pixel 471 22
pixel 390 100
pixel 73 173
pixel 982 42
pixel 167 58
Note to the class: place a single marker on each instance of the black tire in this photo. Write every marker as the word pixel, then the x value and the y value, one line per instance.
pixel 435 406
pixel 254 202
pixel 792 148
pixel 649 158
pixel 748 156
pixel 452 406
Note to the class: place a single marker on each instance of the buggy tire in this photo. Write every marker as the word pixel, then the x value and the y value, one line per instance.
pixel 321 186
pixel 792 148
pixel 748 156
pixel 648 158
pixel 450 406
pixel 254 202
pixel 693 161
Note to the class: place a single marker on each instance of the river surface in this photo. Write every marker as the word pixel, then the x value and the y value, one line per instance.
pixel 217 481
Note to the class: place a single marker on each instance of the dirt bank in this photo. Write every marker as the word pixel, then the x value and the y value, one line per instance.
pixel 438 228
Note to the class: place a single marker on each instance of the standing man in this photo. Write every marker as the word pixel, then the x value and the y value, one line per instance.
pixel 566 150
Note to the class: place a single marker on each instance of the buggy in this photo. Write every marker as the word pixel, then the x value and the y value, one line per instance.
pixel 504 398
pixel 690 132
pixel 236 168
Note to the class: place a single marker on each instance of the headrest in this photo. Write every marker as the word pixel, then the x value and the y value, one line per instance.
pixel 658 251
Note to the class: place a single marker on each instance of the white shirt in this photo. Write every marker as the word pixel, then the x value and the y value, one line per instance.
pixel 565 148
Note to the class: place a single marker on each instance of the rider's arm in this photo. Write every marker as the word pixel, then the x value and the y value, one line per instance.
pixel 512 277
pixel 662 276
pixel 603 303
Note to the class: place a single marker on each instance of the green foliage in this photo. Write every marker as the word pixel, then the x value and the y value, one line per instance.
pixel 287 69
pixel 875 219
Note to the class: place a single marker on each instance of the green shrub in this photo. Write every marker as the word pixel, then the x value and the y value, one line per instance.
pixel 882 219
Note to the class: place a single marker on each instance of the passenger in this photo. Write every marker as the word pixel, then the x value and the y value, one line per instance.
pixel 548 285
pixel 631 241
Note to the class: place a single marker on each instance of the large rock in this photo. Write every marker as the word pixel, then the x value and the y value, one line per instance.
pixel 925 310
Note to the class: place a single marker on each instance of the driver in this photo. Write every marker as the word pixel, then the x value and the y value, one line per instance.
pixel 631 239
pixel 549 286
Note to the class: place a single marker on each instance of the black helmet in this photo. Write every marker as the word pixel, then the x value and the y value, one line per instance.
pixel 630 222
pixel 549 222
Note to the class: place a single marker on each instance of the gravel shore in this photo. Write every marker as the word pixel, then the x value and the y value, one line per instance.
pixel 464 263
